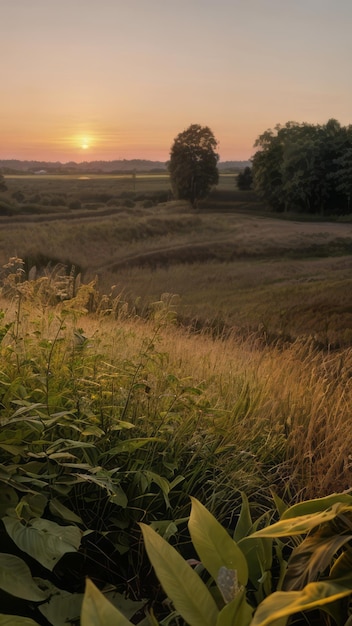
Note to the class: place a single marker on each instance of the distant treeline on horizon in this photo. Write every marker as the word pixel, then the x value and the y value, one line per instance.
pixel 15 166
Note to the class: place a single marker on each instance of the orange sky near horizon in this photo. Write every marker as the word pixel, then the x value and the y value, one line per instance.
pixel 105 79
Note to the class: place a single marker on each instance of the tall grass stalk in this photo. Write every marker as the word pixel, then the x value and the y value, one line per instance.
pixel 287 409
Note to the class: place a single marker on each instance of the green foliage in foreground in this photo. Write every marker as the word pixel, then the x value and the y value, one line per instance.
pixel 95 448
pixel 266 574
pixel 91 445
pixel 244 587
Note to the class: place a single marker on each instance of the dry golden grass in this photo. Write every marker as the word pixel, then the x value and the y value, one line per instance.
pixel 285 408
pixel 297 397
pixel 298 393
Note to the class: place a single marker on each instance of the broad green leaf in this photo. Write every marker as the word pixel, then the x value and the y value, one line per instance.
pixel 281 604
pixel 92 430
pixel 44 540
pixel 119 497
pixel 59 509
pixel 27 408
pixel 146 478
pixel 300 525
pixel 180 582
pixel 244 522
pixel 162 483
pixel 14 450
pixel 62 607
pixel 317 505
pixel 165 528
pixel 120 425
pixel 16 579
pixel 8 499
pixel 56 456
pixel 127 607
pixel 176 481
pixel 31 505
pixel 98 611
pixel 101 481
pixel 16 620
pixel 214 545
pixel 32 482
pixel 236 612
pixel 258 555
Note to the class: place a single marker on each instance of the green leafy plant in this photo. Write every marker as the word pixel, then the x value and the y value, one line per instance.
pixel 90 446
pixel 316 575
pixel 95 439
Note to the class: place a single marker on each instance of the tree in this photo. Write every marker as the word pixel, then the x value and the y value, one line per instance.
pixel 193 163
pixel 245 179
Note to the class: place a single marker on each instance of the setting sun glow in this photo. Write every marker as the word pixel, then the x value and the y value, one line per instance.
pixel 75 90
pixel 77 143
pixel 85 142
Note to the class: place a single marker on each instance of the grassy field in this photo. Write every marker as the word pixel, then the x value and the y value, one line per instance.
pixel 231 264
pixel 157 353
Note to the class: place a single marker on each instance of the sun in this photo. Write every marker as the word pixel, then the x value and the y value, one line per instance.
pixel 82 143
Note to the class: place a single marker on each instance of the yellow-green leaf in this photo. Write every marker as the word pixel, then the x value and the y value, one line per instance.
pixel 300 525
pixel 236 612
pixel 281 604
pixel 316 505
pixel 258 554
pixel 281 506
pixel 180 582
pixel 244 522
pixel 214 545
pixel 16 620
pixel 98 611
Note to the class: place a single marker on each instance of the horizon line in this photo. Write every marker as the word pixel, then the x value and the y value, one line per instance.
pixel 37 160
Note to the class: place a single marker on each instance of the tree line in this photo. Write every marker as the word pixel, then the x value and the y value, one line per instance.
pixel 305 168
pixel 297 167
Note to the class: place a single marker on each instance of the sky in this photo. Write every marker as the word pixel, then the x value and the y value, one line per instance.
pixel 85 80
